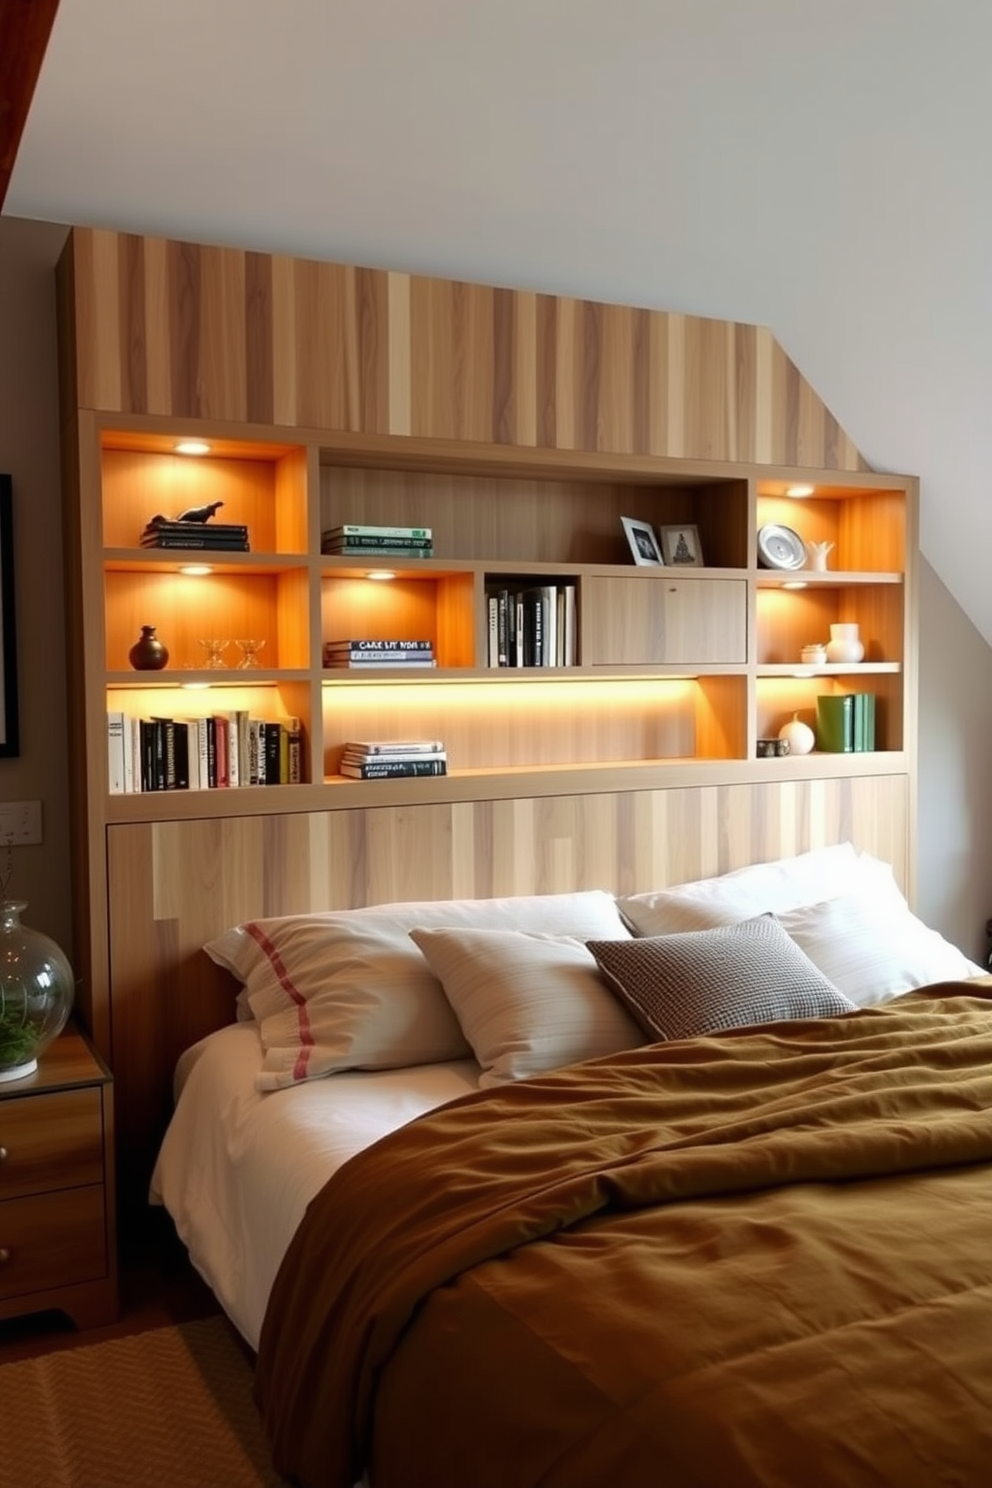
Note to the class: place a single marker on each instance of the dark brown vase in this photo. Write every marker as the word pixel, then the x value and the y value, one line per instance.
pixel 148 653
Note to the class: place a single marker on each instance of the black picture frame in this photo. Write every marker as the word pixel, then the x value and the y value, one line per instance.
pixel 10 746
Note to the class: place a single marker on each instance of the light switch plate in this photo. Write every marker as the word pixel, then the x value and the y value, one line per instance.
pixel 20 823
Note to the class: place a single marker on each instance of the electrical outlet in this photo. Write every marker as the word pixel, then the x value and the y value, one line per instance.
pixel 20 823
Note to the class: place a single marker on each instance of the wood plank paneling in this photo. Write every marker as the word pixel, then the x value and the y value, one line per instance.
pixel 174 885
pixel 193 331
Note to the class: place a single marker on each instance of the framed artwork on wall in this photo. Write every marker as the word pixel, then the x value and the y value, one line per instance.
pixel 9 737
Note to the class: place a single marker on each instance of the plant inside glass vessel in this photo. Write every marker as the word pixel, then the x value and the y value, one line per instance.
pixel 36 989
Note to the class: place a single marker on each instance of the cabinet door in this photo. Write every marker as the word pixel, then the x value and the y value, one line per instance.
pixel 661 619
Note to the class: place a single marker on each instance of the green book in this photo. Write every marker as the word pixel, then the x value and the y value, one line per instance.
pixel 835 722
pixel 864 721
pixel 869 720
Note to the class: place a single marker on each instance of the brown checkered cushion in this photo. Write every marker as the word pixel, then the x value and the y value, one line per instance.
pixel 699 981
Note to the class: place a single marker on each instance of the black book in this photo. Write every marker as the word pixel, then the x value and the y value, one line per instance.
pixel 339 545
pixel 270 740
pixel 384 769
pixel 361 644
pixel 201 541
pixel 211 751
pixel 214 528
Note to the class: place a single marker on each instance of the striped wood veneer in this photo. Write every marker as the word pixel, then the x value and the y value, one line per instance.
pixel 196 332
pixel 173 885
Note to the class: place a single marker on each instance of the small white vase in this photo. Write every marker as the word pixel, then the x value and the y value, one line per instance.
pixel 817 554
pixel 845 644
pixel 800 736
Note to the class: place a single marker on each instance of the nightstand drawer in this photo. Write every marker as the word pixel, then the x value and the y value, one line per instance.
pixel 52 1240
pixel 51 1141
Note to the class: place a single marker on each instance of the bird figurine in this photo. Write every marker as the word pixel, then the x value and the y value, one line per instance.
pixel 199 513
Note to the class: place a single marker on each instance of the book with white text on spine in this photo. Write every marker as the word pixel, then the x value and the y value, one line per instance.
pixel 388 769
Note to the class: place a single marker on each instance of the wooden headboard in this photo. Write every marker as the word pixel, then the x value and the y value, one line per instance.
pixel 173 885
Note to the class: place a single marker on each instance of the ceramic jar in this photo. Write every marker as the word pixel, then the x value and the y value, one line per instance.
pixel 845 644
pixel 814 654
pixel 148 654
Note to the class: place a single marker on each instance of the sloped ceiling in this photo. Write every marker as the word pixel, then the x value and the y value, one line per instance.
pixel 819 169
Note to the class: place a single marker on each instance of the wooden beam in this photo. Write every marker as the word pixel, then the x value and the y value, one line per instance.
pixel 25 26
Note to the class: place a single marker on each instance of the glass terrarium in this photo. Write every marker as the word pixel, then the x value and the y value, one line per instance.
pixel 36 992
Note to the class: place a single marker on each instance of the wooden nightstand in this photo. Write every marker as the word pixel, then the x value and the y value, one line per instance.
pixel 57 1240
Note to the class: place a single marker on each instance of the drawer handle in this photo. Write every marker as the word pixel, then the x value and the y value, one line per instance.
pixel 4 1154
pixel 4 1255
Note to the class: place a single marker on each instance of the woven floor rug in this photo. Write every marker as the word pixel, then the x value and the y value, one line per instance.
pixel 167 1408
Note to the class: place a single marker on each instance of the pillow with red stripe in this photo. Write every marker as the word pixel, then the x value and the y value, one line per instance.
pixel 350 990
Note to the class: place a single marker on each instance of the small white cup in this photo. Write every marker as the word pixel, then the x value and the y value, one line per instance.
pixel 817 553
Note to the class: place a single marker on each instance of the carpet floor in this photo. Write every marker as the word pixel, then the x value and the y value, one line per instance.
pixel 167 1408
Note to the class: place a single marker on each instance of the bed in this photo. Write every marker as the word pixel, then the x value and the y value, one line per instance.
pixel 690 1186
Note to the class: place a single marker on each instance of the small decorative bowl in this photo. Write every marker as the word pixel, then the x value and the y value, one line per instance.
pixel 814 655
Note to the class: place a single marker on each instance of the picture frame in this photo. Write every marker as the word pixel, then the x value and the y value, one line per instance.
pixel 643 543
pixel 680 545
pixel 9 731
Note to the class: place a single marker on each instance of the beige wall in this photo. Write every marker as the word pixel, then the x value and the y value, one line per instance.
pixel 954 870
pixel 954 878
pixel 29 453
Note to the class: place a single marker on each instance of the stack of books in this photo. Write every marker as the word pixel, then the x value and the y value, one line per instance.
pixel 357 539
pixel 845 722
pixel 364 654
pixel 384 759
pixel 230 536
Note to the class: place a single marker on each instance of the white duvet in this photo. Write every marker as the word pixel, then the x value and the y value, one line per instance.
pixel 237 1167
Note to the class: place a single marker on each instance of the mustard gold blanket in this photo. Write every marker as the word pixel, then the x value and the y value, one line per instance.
pixel 757 1260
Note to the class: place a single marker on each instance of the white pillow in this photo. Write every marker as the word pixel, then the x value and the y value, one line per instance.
pixel 527 1003
pixel 349 990
pixel 874 948
pixel 763 888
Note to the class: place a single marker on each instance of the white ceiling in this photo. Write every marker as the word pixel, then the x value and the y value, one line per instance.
pixel 820 168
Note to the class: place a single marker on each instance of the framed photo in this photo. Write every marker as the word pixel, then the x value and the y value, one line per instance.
pixel 680 546
pixel 643 543
pixel 9 739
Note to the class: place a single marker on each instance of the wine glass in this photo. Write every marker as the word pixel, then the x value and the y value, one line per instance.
pixel 249 653
pixel 215 653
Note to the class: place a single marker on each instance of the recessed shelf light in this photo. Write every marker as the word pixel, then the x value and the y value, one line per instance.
pixel 795 584
pixel 380 574
pixel 192 447
pixel 799 490
pixel 195 570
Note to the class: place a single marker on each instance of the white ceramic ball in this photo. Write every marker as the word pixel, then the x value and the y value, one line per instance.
pixel 800 736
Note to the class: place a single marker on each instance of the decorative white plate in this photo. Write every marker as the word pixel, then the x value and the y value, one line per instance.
pixel 780 547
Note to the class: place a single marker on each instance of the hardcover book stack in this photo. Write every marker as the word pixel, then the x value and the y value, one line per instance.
pixel 231 537
pixel 387 759
pixel 845 722
pixel 355 539
pixel 367 655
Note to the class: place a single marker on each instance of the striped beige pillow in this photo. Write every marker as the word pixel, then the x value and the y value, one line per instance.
pixel 526 1003
pixel 701 981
